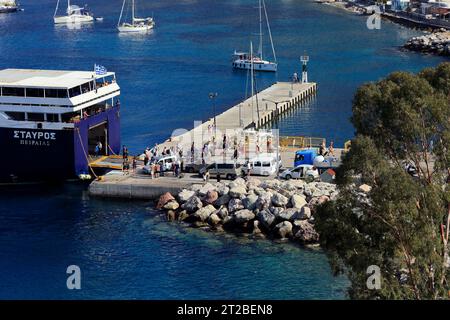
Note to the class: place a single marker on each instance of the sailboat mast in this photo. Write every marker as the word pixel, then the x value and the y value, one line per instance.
pixel 121 13
pixel 260 51
pixel 56 10
pixel 270 32
pixel 251 76
pixel 68 5
pixel 132 13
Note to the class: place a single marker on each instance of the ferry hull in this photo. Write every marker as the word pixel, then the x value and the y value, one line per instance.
pixel 30 155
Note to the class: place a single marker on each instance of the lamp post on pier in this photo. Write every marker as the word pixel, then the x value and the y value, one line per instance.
pixel 213 96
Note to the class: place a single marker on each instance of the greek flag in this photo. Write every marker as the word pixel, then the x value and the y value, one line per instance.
pixel 99 70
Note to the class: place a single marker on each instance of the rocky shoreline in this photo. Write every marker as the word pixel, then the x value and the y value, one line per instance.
pixel 271 209
pixel 435 43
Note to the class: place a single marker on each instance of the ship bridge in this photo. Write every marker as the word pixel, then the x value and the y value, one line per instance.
pixel 54 96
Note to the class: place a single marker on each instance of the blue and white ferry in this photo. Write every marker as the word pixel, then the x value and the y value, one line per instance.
pixel 51 122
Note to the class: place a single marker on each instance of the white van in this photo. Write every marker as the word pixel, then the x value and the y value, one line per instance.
pixel 167 162
pixel 263 165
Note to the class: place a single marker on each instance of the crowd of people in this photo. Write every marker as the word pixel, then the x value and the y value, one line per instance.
pixel 163 159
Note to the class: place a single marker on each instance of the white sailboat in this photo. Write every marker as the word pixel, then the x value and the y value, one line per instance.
pixel 75 14
pixel 8 6
pixel 137 24
pixel 247 61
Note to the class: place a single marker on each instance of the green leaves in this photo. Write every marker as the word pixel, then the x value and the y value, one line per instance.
pixel 397 225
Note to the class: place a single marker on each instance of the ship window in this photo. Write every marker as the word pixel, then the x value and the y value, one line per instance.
pixel 32 92
pixel 70 117
pixel 55 93
pixel 75 91
pixel 35 116
pixel 85 87
pixel 14 92
pixel 52 117
pixel 18 116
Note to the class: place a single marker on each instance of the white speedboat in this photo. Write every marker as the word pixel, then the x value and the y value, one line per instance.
pixel 74 14
pixel 8 6
pixel 247 61
pixel 136 25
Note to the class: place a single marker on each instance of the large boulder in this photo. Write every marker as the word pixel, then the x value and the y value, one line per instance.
pixel 206 187
pixel 195 187
pixel 279 200
pixel 223 189
pixel 222 212
pixel 170 215
pixel 256 229
pixel 171 205
pixel 249 202
pixel 276 211
pixel 270 184
pixel 266 218
pixel 185 194
pixel 253 183
pixel 238 192
pixel 305 232
pixel 183 215
pixel 283 229
pixel 214 219
pixel 211 197
pixel 298 201
pixel 235 205
pixel 193 204
pixel 164 199
pixel 303 214
pixel 314 202
pixel 289 185
pixel 264 201
pixel 243 216
pixel 287 214
pixel 222 200
pixel 203 214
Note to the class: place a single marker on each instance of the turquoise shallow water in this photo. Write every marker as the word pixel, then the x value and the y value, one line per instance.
pixel 126 251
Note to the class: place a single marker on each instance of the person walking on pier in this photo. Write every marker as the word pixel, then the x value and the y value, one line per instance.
pixel 331 149
pixel 98 148
pixel 125 152
pixel 192 152
pixel 134 164
pixel 269 145
pixel 126 167
pixel 322 148
pixel 152 170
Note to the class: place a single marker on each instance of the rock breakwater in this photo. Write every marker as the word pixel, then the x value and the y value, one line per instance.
pixel 265 209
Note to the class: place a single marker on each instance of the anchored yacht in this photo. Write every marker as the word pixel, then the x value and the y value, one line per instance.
pixel 74 14
pixel 139 25
pixel 51 122
pixel 245 60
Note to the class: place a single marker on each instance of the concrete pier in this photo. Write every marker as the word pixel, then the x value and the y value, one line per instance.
pixel 255 112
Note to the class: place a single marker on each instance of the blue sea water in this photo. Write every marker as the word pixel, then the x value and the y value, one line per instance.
pixel 126 250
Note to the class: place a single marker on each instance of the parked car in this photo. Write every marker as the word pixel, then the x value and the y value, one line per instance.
pixel 226 170
pixel 165 164
pixel 263 165
pixel 303 171
pixel 192 167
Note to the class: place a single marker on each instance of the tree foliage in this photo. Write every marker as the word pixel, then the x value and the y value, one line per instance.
pixel 402 224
